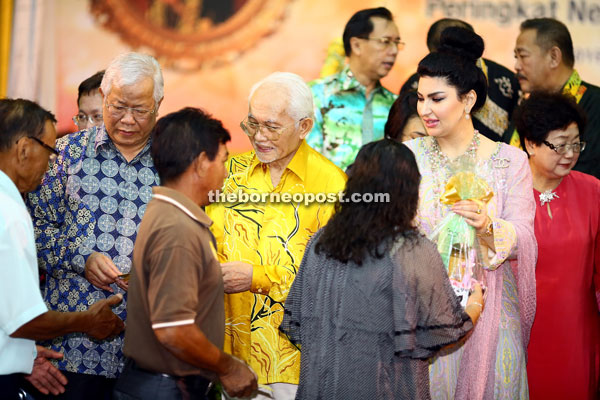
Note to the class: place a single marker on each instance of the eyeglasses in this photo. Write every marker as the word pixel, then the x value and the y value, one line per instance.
pixel 385 42
pixel 270 132
pixel 82 119
pixel 52 150
pixel 563 148
pixel 139 114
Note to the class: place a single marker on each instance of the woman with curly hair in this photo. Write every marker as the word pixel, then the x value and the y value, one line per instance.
pixel 372 301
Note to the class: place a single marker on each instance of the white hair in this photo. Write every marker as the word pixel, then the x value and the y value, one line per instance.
pixel 301 100
pixel 129 68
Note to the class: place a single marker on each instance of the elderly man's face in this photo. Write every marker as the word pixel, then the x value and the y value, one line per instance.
pixel 268 108
pixel 532 63
pixel 130 114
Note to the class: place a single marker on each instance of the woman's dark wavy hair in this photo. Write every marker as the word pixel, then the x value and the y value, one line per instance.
pixel 402 110
pixel 544 112
pixel 455 61
pixel 359 228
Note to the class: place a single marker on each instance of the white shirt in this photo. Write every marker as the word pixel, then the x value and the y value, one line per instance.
pixel 20 296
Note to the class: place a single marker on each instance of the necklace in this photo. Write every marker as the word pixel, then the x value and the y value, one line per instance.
pixel 439 160
pixel 442 167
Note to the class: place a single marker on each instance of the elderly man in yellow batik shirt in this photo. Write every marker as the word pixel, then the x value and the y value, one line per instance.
pixel 261 243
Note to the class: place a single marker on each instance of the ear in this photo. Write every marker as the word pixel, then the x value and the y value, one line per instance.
pixel 555 56
pixel 470 99
pixel 306 126
pixel 530 146
pixel 201 165
pixel 23 150
pixel 355 45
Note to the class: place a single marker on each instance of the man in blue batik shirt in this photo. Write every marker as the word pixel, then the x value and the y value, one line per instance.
pixel 87 212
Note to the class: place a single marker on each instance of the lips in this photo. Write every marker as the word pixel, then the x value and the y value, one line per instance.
pixel 431 123
pixel 263 149
pixel 126 133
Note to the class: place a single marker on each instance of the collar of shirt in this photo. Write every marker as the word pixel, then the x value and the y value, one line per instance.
pixel 8 186
pixel 297 165
pixel 184 203
pixel 346 81
pixel 102 141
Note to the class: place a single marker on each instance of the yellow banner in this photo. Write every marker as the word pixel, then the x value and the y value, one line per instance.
pixel 6 12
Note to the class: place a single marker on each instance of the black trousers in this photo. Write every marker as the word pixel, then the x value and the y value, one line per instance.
pixel 137 383
pixel 80 386
pixel 10 386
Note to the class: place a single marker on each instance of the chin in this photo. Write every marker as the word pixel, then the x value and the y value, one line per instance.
pixel 265 159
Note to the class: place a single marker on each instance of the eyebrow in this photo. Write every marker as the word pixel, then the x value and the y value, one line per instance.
pixel 269 121
pixel 139 105
pixel 432 94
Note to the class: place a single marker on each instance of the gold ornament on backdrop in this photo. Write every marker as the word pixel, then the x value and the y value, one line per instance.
pixel 191 34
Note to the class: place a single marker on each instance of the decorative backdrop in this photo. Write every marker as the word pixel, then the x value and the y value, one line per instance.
pixel 212 51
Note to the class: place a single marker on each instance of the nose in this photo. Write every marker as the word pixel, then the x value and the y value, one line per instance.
pixel 517 65
pixel 84 125
pixel 128 117
pixel 259 131
pixel 423 108
pixel 569 153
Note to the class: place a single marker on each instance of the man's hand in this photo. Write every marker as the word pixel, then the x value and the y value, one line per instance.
pixel 104 322
pixel 237 276
pixel 45 377
pixel 100 271
pixel 239 380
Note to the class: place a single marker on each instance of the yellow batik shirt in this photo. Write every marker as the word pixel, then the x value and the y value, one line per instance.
pixel 272 236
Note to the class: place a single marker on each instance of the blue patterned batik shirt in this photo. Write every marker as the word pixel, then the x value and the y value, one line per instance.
pixel 91 200
pixel 345 118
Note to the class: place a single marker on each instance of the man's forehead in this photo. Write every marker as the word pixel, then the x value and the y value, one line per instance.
pixel 268 99
pixel 135 93
pixel 527 39
pixel 384 26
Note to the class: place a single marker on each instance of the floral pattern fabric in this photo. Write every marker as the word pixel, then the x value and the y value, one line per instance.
pixel 345 118
pixel 272 236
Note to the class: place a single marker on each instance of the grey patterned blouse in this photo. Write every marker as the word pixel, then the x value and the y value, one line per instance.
pixel 367 332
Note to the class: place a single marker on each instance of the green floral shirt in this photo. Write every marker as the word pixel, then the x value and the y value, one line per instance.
pixel 345 118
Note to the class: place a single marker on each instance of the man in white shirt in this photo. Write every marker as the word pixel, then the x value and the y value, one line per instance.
pixel 27 136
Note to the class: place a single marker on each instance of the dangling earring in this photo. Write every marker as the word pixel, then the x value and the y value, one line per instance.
pixel 467 115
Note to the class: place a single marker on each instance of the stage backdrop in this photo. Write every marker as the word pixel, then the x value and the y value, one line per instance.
pixel 213 51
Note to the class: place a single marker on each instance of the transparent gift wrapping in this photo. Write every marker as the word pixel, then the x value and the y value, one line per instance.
pixel 457 241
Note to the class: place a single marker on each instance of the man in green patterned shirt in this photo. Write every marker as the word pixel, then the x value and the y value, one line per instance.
pixel 351 107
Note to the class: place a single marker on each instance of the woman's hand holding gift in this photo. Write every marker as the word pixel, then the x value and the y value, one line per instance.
pixel 475 214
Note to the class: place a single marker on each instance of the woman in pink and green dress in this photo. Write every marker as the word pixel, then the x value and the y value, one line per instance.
pixel 492 361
